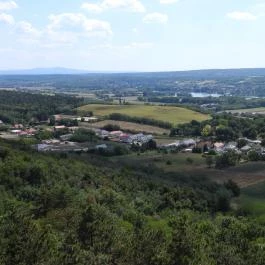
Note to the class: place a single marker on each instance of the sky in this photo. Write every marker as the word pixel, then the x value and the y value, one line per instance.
pixel 132 35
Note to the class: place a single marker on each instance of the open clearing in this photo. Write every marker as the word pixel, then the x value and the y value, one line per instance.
pixel 174 115
pixel 245 175
pixel 252 200
pixel 254 110
pixel 129 126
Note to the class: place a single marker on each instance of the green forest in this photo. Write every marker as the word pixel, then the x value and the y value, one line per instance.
pixel 80 209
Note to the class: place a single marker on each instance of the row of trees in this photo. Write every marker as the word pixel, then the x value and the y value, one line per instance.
pixel 140 120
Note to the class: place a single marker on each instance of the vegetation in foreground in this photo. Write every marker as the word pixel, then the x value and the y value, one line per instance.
pixel 59 210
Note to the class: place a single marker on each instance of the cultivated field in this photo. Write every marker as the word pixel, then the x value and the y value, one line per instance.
pixel 174 115
pixel 129 126
pixel 254 110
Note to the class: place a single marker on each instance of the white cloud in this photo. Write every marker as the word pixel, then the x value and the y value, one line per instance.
pixel 156 18
pixel 135 30
pixel 77 23
pixel 6 18
pixel 94 8
pixel 26 28
pixel 244 16
pixel 140 45
pixel 8 5
pixel 130 5
pixel 168 2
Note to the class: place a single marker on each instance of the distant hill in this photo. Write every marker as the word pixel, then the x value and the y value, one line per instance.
pixel 207 74
pixel 196 74
pixel 44 71
pixel 217 73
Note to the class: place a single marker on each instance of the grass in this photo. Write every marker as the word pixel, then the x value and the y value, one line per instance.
pixel 252 201
pixel 174 115
pixel 178 162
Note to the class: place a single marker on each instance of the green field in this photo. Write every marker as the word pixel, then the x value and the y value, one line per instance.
pixel 174 115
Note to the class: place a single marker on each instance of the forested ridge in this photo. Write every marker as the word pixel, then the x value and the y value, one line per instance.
pixel 66 209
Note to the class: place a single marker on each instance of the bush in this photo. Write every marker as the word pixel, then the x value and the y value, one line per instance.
pixel 83 135
pixel 253 156
pixel 209 161
pixel 189 160
pixel 226 160
pixel 231 185
pixel 197 150
pixel 111 127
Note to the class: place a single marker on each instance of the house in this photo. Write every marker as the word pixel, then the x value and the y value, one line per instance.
pixel 246 149
pixel 73 128
pixel 23 133
pixel 230 146
pixel 101 146
pixel 103 134
pixel 59 128
pixel 140 138
pixel 16 131
pixel 188 142
pixel 77 119
pixel 42 147
pixel 124 138
pixel 187 150
pixel 218 147
pixel 51 141
pixel 115 134
pixel 171 146
pixel 204 145
pixel 31 132
pixel 18 126
pixel 66 137
pixel 57 117
pixel 89 119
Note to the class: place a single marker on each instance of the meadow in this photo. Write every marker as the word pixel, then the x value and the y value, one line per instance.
pixel 174 115
pixel 252 201
pixel 252 110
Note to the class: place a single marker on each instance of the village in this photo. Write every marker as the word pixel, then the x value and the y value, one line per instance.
pixel 59 137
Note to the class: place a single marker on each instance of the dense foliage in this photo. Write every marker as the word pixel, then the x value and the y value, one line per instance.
pixel 85 210
pixel 225 127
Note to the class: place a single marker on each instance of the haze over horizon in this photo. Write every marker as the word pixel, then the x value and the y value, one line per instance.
pixel 132 35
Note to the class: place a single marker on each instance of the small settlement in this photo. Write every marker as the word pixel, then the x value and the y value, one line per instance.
pixel 62 140
pixel 202 146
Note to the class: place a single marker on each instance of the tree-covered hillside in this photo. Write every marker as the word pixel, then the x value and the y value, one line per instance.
pixel 24 106
pixel 72 210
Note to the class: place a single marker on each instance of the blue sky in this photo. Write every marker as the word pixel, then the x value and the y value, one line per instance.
pixel 132 35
